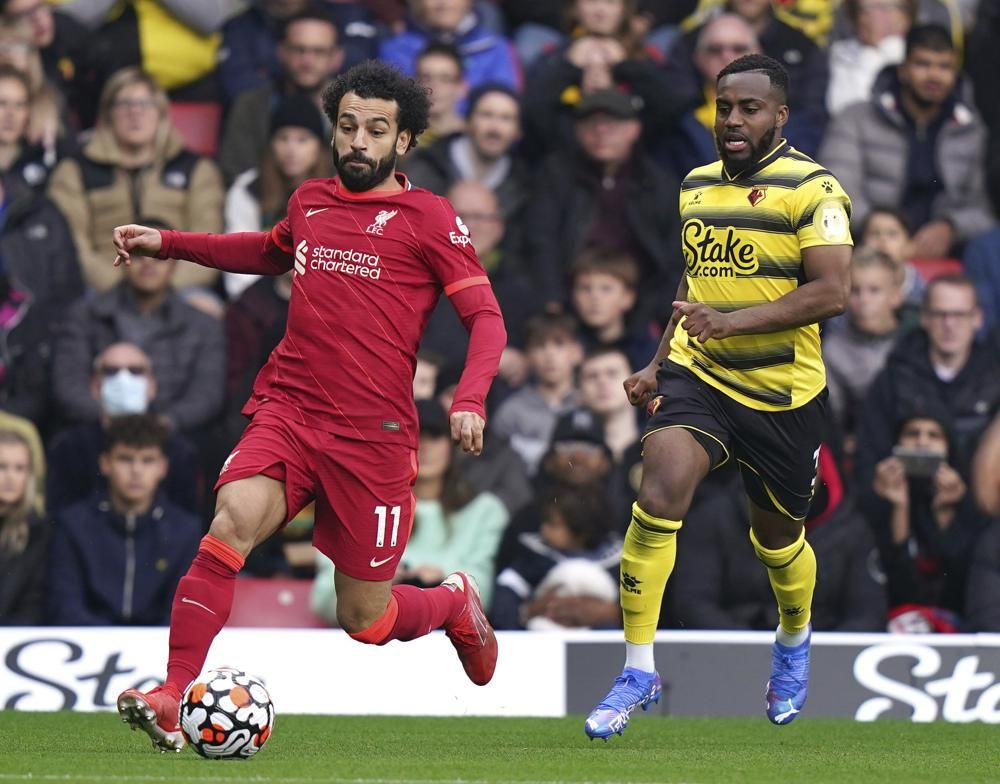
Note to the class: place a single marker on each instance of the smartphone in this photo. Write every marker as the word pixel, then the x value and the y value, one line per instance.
pixel 918 463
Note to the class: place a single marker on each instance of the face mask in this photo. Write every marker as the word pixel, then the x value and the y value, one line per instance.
pixel 124 393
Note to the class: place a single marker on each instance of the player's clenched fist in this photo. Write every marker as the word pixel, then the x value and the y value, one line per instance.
pixel 467 430
pixel 141 240
pixel 702 322
pixel 641 386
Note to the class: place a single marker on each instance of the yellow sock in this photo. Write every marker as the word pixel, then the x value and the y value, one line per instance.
pixel 647 561
pixel 792 571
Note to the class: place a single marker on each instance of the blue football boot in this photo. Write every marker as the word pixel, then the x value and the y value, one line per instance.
pixel 631 689
pixel 789 683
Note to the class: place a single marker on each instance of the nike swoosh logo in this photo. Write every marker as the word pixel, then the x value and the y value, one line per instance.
pixel 185 600
pixel 375 564
pixel 310 213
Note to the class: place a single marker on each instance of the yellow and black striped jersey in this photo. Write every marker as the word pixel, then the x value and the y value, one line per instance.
pixel 742 240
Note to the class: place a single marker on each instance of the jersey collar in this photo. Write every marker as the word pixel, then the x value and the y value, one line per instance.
pixel 365 195
pixel 763 163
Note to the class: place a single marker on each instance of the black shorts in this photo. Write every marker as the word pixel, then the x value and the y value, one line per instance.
pixel 776 450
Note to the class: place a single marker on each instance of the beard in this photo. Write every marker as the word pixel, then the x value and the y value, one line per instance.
pixel 754 151
pixel 360 180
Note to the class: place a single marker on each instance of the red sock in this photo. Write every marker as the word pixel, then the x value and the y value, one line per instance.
pixel 413 612
pixel 201 607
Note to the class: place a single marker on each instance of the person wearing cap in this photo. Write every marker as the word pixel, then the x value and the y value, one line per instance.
pixel 454 527
pixel 296 152
pixel 604 191
pixel 310 56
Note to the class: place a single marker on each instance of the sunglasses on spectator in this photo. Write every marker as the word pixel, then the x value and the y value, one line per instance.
pixel 717 49
pixel 113 370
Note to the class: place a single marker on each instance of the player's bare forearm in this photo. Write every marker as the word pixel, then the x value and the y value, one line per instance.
pixel 663 350
pixel 823 296
pixel 248 252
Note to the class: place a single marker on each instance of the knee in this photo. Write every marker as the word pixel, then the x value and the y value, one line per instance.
pixel 228 528
pixel 661 500
pixel 354 617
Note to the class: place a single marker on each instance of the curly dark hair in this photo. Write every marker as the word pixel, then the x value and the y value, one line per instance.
pixel 760 63
pixel 374 79
pixel 137 431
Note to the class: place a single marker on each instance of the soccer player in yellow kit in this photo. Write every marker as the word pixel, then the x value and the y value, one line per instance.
pixel 739 376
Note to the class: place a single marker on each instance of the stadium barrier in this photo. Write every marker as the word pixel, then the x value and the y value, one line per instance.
pixel 865 676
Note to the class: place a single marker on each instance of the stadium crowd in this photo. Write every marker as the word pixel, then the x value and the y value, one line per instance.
pixel 560 130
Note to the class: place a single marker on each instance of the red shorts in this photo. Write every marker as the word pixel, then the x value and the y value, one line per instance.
pixel 363 490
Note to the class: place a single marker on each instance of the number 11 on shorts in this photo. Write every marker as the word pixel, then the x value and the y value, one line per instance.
pixel 383 512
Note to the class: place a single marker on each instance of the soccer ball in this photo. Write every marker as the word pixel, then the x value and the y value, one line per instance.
pixel 227 714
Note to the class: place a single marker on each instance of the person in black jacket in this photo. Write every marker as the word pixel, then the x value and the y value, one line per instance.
pixel 605 192
pixel 982 594
pixel 24 534
pixel 117 557
pixel 939 365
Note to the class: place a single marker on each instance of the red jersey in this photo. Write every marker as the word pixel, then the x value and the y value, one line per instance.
pixel 368 271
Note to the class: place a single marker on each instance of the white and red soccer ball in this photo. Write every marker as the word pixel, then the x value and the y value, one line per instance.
pixel 227 714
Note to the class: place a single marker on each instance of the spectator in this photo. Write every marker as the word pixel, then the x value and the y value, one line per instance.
pixel 982 264
pixel 805 62
pixel 982 63
pixel 250 56
pixel 925 522
pixel 604 53
pixel 482 153
pixel 603 290
pixel 576 457
pixel 122 382
pixel 605 192
pixel 187 348
pixel 916 145
pixel 878 41
pixel 886 229
pixel 486 56
pixel 982 594
pixel 19 156
pixel 480 210
pixel 135 167
pixel 58 36
pixel 527 418
pixel 117 557
pixel 602 373
pixel 25 335
pixel 439 69
pixel 310 57
pixel 37 247
pixel 719 583
pixel 258 198
pixel 454 528
pixel 46 109
pixel 939 365
pixel 24 532
pixel 854 355
pixel 566 573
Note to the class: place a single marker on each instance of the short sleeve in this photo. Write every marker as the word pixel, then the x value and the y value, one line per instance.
pixel 447 249
pixel 821 212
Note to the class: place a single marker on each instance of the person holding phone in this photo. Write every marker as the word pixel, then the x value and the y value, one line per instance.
pixel 926 524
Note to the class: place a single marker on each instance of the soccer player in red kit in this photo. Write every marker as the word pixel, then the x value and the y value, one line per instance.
pixel 332 412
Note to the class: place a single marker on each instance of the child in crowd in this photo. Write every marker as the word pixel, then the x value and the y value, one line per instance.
pixel 527 418
pixel 886 229
pixel 566 574
pixel 856 353
pixel 603 286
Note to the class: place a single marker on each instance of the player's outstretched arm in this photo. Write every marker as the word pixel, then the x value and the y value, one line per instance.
pixel 257 252
pixel 823 295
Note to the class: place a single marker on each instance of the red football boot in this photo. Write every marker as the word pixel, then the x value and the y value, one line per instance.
pixel 471 633
pixel 155 712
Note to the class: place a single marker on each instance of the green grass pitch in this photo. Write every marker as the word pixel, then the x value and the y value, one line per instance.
pixel 77 747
